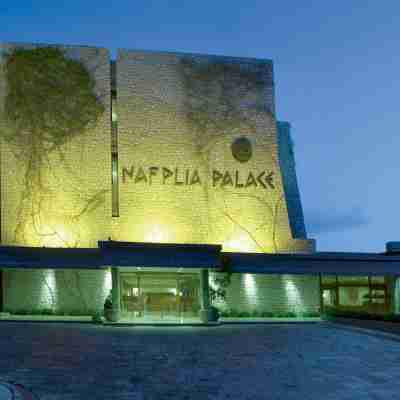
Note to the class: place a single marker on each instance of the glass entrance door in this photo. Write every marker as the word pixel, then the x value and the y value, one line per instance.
pixel 159 296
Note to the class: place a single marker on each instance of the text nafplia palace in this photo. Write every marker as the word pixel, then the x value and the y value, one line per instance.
pixel 162 185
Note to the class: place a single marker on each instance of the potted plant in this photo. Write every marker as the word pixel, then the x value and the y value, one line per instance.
pixel 108 308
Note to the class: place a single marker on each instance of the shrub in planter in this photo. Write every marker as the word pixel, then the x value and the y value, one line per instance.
pixel 78 313
pixel 255 314
pixel 243 314
pixel 224 313
pixel 291 314
pixel 233 313
pixel 288 314
pixel 47 311
pixel 214 314
pixel 108 311
pixel 267 314
pixel 310 314
pixel 21 312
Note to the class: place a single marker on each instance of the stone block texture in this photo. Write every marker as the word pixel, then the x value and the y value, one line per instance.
pixel 183 113
pixel 201 159
pixel 72 209
pixel 81 292
pixel 271 293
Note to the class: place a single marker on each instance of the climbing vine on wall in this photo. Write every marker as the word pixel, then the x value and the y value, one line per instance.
pixel 50 99
pixel 223 98
pixel 217 93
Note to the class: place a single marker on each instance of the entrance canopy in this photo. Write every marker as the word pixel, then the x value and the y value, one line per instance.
pixel 168 255
pixel 120 254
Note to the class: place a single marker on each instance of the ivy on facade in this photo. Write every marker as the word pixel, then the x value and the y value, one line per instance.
pixel 50 99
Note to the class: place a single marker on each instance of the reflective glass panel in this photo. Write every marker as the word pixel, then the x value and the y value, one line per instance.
pixel 353 296
pixel 362 280
pixel 378 279
pixel 328 279
pixel 328 297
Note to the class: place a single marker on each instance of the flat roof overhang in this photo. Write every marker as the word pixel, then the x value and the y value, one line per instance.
pixel 327 263
pixel 164 255
pixel 167 255
pixel 51 258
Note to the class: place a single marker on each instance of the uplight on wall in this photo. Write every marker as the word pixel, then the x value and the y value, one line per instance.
pixel 156 234
pixel 48 289
pixel 107 283
pixel 293 295
pixel 52 236
pixel 240 242
pixel 250 289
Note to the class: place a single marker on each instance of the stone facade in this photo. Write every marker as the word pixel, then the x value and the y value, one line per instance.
pixel 256 294
pixel 200 160
pixel 71 209
pixel 183 113
pixel 80 292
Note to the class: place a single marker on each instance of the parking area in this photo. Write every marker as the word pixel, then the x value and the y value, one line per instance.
pixel 280 361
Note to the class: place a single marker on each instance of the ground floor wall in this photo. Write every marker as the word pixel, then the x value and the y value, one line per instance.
pixel 255 294
pixel 85 291
pixel 57 291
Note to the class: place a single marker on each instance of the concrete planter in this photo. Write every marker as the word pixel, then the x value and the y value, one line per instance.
pixel 111 315
pixel 208 315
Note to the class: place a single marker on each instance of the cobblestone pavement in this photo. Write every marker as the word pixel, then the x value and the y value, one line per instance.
pixel 78 361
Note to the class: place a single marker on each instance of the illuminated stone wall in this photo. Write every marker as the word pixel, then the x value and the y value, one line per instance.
pixel 198 162
pixel 180 181
pixel 70 209
pixel 158 134
pixel 63 291
pixel 271 293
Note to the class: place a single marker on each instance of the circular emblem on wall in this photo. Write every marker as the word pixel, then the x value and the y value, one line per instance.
pixel 241 149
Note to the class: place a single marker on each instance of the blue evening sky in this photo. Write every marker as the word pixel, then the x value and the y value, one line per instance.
pixel 337 66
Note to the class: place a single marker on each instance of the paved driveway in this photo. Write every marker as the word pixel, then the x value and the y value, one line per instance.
pixel 71 361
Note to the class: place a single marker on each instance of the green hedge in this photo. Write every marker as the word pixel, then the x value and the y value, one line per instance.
pixel 266 314
pixel 49 311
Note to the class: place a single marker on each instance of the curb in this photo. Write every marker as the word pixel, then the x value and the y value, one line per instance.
pixel 51 321
pixel 160 325
pixel 272 322
pixel 370 332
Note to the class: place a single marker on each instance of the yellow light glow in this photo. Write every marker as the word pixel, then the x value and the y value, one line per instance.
pixel 156 234
pixel 56 236
pixel 242 242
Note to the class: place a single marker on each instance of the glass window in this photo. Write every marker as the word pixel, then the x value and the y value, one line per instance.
pixel 328 279
pixel 160 296
pixel 356 280
pixel 378 296
pixel 378 280
pixel 329 297
pixel 353 296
